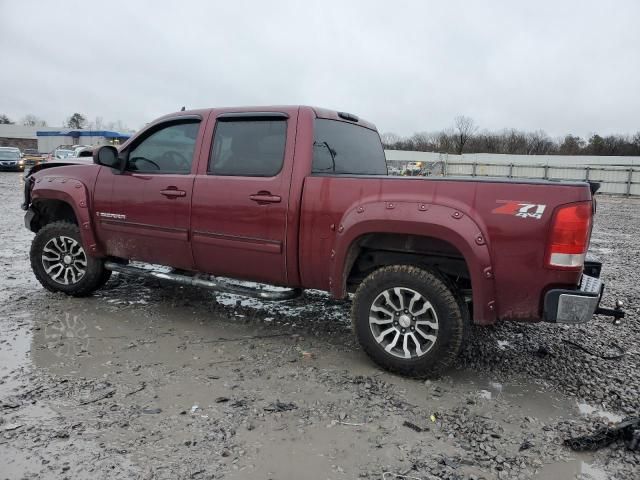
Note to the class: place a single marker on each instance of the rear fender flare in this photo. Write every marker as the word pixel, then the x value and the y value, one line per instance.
pixel 76 195
pixel 436 221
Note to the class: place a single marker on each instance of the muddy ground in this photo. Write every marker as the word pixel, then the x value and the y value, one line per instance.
pixel 154 381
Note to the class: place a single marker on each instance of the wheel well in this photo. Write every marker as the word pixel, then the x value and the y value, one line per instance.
pixel 48 211
pixel 376 250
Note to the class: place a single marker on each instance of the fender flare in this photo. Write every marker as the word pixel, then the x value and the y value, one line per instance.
pixel 75 194
pixel 417 218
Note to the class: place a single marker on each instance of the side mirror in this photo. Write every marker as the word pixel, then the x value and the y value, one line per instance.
pixel 107 156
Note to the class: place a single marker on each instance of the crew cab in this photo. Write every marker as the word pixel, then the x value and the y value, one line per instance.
pixel 299 197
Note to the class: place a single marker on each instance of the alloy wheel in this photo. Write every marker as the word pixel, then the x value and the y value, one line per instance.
pixel 64 260
pixel 403 322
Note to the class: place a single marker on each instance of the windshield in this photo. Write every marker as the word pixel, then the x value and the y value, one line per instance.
pixel 9 155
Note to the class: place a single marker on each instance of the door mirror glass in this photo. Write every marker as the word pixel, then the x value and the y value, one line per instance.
pixel 106 155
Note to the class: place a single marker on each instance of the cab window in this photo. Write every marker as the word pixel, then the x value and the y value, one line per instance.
pixel 248 148
pixel 167 150
pixel 345 148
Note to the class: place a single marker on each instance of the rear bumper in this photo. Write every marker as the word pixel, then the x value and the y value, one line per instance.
pixel 579 305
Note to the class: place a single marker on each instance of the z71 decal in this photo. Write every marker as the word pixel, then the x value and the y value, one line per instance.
pixel 519 209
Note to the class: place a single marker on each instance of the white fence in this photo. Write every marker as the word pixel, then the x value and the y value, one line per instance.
pixel 617 175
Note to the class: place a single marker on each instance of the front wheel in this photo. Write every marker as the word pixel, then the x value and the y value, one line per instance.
pixel 408 321
pixel 61 264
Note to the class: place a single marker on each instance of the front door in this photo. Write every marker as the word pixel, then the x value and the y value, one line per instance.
pixel 144 212
pixel 239 211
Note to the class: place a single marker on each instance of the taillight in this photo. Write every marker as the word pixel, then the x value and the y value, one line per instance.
pixel 569 236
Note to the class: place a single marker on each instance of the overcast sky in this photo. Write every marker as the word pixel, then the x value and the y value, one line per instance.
pixel 407 66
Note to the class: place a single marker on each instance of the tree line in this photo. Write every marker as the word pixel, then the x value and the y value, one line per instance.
pixel 465 137
pixel 76 120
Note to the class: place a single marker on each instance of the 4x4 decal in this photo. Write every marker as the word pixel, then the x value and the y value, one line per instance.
pixel 519 209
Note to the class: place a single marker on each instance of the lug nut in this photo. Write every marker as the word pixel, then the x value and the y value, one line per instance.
pixel 402 330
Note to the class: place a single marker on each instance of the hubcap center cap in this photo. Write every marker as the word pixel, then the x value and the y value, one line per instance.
pixel 404 321
pixel 67 259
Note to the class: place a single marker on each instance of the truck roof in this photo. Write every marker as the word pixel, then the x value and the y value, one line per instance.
pixel 319 113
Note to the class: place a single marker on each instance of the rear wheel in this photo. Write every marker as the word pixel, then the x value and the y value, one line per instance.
pixel 61 264
pixel 408 320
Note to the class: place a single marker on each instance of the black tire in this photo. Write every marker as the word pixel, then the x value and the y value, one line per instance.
pixel 94 276
pixel 106 275
pixel 450 323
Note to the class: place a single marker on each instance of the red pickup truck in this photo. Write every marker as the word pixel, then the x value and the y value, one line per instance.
pixel 299 197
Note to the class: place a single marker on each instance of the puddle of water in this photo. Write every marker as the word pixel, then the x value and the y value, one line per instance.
pixel 323 451
pixel 14 353
pixel 586 409
pixel 526 398
pixel 578 469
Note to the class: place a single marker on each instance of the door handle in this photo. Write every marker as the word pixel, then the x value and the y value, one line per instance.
pixel 265 197
pixel 173 192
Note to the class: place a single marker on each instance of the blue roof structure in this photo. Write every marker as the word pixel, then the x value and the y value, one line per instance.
pixel 83 133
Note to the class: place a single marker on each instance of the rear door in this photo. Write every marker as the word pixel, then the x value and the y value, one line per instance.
pixel 240 200
pixel 144 212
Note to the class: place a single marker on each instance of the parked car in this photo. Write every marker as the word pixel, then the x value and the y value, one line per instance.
pixel 63 151
pixel 299 197
pixel 11 159
pixel 83 151
pixel 413 168
pixel 32 156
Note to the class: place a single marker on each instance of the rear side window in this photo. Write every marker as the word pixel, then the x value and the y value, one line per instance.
pixel 248 148
pixel 341 147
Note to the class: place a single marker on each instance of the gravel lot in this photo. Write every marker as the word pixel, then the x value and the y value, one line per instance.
pixel 149 380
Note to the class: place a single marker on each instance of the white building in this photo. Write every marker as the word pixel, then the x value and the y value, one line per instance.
pixel 49 139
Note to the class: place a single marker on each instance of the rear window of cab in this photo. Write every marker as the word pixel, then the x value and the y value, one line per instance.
pixel 344 148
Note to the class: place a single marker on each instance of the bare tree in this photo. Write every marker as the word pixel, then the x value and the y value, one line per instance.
pixel 423 142
pixel 30 120
pixel 4 120
pixel 514 142
pixel 445 141
pixel 389 139
pixel 465 128
pixel 486 142
pixel 539 143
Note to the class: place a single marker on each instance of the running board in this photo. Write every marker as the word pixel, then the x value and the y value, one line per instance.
pixel 206 281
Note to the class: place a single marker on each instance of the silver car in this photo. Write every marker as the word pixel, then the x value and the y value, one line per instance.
pixel 11 159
